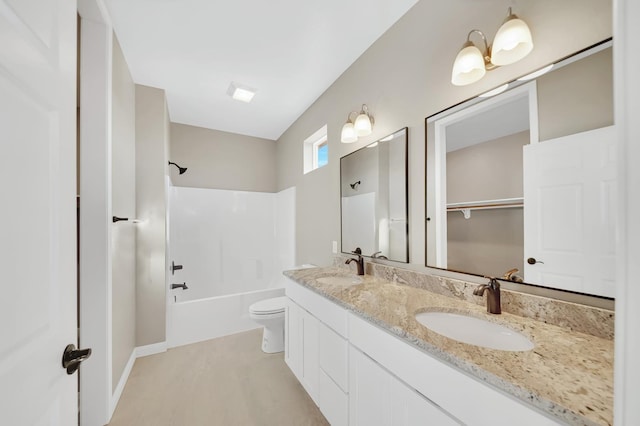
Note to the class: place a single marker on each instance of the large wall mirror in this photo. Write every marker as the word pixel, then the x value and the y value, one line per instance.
pixel 373 192
pixel 521 184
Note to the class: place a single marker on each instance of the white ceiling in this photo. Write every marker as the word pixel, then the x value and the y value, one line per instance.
pixel 290 50
pixel 492 123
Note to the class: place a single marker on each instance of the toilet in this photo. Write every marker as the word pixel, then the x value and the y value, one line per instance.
pixel 270 314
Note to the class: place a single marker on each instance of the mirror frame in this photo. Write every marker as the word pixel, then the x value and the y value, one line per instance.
pixel 406 193
pixel 513 84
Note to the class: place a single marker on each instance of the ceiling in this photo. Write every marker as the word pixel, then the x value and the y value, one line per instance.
pixel 502 119
pixel 291 51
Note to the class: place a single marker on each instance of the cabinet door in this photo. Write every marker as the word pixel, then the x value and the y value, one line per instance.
pixel 369 391
pixel 334 356
pixel 310 358
pixel 333 402
pixel 409 408
pixel 293 339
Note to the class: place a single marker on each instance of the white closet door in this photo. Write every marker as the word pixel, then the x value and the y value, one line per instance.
pixel 38 215
pixel 569 212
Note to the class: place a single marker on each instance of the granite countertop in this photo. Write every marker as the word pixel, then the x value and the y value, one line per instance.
pixel 567 374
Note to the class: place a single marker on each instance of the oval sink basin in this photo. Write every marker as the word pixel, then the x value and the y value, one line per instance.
pixel 474 331
pixel 340 280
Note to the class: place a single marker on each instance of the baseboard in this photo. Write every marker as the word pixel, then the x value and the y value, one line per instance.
pixel 152 349
pixel 115 398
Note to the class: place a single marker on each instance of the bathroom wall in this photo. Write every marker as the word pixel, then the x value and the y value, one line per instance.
pixel 152 144
pixel 123 199
pixel 405 77
pixel 569 102
pixel 221 160
pixel 490 242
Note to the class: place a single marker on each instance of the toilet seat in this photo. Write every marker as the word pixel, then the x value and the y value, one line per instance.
pixel 271 306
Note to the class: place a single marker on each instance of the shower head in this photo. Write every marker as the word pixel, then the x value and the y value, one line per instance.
pixel 354 185
pixel 180 169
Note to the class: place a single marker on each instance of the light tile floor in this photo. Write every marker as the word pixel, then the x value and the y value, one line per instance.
pixel 227 381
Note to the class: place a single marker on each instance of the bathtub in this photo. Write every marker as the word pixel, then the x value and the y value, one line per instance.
pixel 197 320
pixel 233 247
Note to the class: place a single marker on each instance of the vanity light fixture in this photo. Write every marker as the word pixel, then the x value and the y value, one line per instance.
pixel 361 126
pixel 240 92
pixel 348 133
pixel 512 42
pixel 364 122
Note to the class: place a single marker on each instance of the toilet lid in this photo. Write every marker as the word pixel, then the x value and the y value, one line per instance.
pixel 269 306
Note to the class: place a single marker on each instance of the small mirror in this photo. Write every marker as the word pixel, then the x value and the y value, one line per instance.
pixel 373 190
pixel 521 185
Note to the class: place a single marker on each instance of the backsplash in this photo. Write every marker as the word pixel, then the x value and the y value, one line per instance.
pixel 581 318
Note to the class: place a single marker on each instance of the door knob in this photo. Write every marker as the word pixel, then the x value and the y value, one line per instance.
pixel 533 261
pixel 72 357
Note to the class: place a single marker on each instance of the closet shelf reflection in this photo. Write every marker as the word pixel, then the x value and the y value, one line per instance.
pixel 501 203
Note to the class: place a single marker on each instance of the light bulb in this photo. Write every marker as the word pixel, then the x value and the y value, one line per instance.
pixel 512 42
pixel 468 66
pixel 348 134
pixel 362 125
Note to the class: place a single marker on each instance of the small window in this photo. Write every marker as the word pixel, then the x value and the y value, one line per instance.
pixel 316 150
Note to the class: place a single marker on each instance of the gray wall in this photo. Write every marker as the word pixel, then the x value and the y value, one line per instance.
pixel 491 242
pixel 222 160
pixel 152 142
pixel 569 102
pixel 123 199
pixel 486 171
pixel 405 77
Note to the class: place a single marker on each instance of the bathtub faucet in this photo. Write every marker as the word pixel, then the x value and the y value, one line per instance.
pixel 359 260
pixel 182 286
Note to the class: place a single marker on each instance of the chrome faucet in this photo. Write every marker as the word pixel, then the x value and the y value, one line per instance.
pixel 493 297
pixel 182 286
pixel 359 260
pixel 379 255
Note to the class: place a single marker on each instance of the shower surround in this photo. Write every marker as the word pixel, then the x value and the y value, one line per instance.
pixel 233 246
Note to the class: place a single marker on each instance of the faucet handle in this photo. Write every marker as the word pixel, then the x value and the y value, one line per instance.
pixel 494 284
pixel 357 251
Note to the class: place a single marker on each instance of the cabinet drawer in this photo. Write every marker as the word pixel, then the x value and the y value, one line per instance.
pixel 333 402
pixel 333 356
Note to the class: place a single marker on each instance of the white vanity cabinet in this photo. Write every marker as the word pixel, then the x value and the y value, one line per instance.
pixel 301 347
pixel 316 350
pixel 361 375
pixel 378 398
pixel 457 394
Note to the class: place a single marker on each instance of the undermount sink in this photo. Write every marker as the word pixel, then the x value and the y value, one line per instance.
pixel 474 331
pixel 340 280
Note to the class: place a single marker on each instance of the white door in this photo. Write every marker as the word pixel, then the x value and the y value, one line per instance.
pixel 37 218
pixel 570 212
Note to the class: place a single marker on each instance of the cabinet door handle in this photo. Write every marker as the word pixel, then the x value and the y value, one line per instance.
pixel 533 261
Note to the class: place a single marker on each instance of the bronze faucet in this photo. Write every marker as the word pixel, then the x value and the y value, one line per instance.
pixel 359 260
pixel 493 297
pixel 511 275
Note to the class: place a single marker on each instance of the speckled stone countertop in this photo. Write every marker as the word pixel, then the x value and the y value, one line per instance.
pixel 568 374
